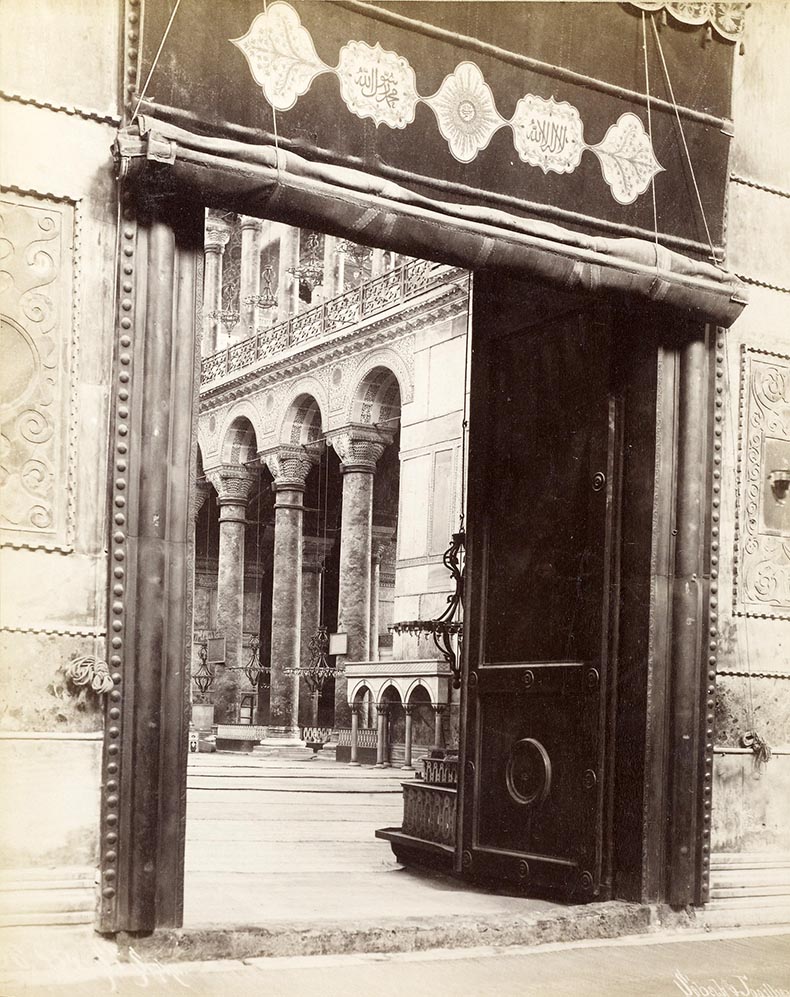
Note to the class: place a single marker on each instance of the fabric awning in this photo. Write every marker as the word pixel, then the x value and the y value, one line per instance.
pixel 272 183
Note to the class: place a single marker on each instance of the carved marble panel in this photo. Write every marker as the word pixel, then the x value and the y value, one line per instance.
pixel 38 357
pixel 762 555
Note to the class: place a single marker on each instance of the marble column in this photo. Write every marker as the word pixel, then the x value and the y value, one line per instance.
pixel 250 276
pixel 359 449
pixel 439 709
pixel 378 263
pixel 233 484
pixel 217 234
pixel 330 267
pixel 314 552
pixel 408 709
pixel 355 711
pixel 381 539
pixel 287 284
pixel 381 740
pixel 289 467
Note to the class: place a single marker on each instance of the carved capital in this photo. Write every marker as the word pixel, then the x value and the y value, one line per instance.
pixel 382 537
pixel 289 466
pixel 216 236
pixel 233 483
pixel 359 447
pixel 202 489
pixel 252 224
pixel 315 551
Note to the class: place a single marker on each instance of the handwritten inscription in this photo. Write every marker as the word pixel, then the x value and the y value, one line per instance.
pixel 732 986
pixel 548 134
pixel 377 84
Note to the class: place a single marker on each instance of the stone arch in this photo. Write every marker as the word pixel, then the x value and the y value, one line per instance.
pixel 203 443
pixel 290 401
pixel 390 693
pixel 359 692
pixel 417 684
pixel 240 433
pixel 372 383
pixel 239 444
pixel 302 422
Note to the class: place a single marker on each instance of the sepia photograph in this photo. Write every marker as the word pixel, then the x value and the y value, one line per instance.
pixel 395 498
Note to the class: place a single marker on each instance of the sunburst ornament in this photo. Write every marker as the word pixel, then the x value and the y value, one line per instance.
pixel 465 111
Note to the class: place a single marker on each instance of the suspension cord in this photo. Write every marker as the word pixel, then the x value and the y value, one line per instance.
pixel 650 131
pixel 683 139
pixel 141 98
pixel 465 420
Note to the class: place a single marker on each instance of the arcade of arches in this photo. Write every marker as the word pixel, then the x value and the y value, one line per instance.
pixel 329 483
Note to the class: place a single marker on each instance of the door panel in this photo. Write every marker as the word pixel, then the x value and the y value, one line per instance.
pixel 537 610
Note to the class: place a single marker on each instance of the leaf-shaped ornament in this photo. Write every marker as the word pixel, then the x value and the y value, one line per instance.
pixel 281 55
pixel 627 159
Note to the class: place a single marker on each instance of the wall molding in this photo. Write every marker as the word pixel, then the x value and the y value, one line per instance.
pixel 56 631
pixel 86 113
pixel 51 735
pixel 767 188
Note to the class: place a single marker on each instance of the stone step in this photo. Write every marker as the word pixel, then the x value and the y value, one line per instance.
pixel 47 896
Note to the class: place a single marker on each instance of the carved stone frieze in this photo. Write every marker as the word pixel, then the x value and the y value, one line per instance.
pixel 38 348
pixel 233 483
pixel 762 554
pixel 290 466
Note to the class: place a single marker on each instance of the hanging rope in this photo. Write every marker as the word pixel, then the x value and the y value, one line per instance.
pixel 141 98
pixel 274 118
pixel 683 139
pixel 465 420
pixel 650 130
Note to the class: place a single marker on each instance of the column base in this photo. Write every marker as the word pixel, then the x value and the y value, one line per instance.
pixel 282 737
pixel 355 764
pixel 407 768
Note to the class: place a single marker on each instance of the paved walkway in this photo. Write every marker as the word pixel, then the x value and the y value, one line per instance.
pixel 274 839
pixel 739 963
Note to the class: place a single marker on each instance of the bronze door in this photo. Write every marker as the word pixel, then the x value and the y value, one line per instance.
pixel 541 516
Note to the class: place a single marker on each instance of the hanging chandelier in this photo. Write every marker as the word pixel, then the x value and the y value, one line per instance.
pixel 202 677
pixel 310 269
pixel 445 627
pixel 229 317
pixel 267 298
pixel 258 675
pixel 358 255
pixel 318 668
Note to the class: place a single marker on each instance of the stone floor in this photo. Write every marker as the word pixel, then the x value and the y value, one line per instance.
pixel 292 839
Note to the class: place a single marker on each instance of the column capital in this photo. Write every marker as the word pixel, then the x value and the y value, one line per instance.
pixel 216 236
pixel 382 709
pixel 252 223
pixel 381 538
pixel 439 708
pixel 202 489
pixel 289 466
pixel 408 709
pixel 315 551
pixel 359 447
pixel 233 483
pixel 356 709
